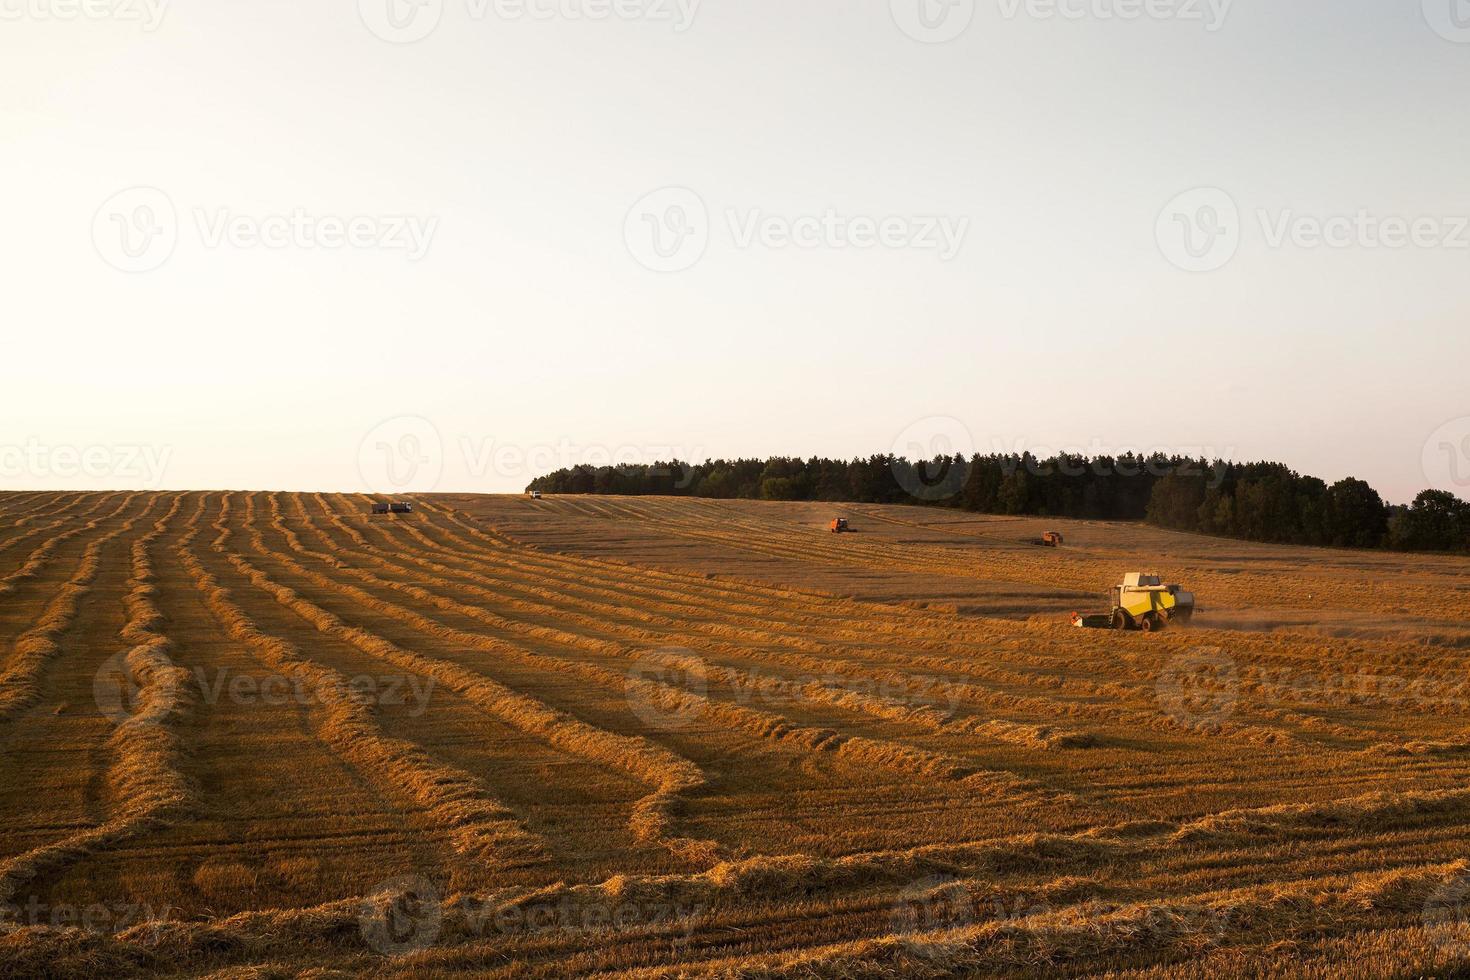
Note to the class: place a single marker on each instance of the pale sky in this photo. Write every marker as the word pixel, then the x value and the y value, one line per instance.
pixel 992 235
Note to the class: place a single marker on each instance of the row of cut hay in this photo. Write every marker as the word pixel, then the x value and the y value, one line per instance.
pixel 1037 736
pixel 759 599
pixel 1065 936
pixel 49 518
pixel 812 692
pixel 822 613
pixel 478 826
pixel 1043 737
pixel 795 633
pixel 20 681
pixel 504 590
pixel 671 776
pixel 46 506
pixel 39 558
pixel 145 774
pixel 352 532
pixel 626 591
pixel 859 662
pixel 1067 940
pixel 901 759
pixel 889 709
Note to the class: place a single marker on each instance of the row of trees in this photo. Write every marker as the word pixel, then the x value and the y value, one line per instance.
pixel 1253 501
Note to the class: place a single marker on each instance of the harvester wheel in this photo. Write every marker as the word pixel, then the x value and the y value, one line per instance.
pixel 1120 620
pixel 1149 623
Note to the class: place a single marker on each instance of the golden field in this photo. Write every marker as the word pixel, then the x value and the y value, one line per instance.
pixel 258 735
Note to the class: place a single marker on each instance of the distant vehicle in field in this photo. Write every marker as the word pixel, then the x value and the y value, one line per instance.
pixel 1052 539
pixel 1142 602
pixel 535 494
pixel 380 508
pixel 400 507
pixel 839 525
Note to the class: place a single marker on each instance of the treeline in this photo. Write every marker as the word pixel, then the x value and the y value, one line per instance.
pixel 1253 501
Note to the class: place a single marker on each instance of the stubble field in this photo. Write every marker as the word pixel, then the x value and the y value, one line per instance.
pixel 255 734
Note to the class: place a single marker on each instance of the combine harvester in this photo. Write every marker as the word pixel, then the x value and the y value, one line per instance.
pixel 1142 602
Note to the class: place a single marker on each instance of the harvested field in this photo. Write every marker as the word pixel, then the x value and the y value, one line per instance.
pixel 251 734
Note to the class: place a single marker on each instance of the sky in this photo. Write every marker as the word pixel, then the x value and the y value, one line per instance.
pixel 452 244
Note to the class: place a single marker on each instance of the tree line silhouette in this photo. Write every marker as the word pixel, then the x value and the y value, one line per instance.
pixel 1253 501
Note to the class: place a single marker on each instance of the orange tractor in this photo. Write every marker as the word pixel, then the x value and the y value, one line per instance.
pixel 839 525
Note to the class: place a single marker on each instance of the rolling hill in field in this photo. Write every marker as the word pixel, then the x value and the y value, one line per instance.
pixel 254 734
